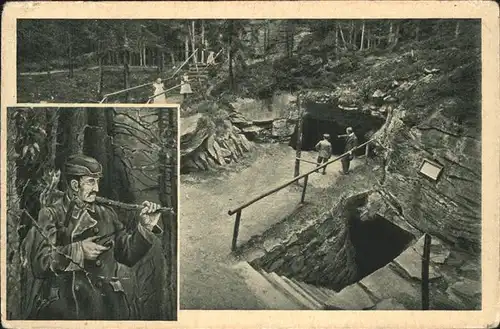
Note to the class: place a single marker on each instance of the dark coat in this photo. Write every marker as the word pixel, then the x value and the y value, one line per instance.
pixel 65 286
pixel 351 142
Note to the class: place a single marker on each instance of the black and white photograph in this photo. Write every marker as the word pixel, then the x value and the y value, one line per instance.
pixel 336 166
pixel 92 213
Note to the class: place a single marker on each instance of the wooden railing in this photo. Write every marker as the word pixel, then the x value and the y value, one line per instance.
pixel 106 96
pixel 305 176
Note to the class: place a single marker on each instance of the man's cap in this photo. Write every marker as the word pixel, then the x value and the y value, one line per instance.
pixel 326 135
pixel 82 165
pixel 349 129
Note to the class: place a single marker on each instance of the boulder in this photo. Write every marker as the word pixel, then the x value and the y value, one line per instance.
pixel 282 128
pixel 239 120
pixel 378 94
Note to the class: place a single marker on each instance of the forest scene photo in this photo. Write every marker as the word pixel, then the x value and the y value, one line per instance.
pixel 137 152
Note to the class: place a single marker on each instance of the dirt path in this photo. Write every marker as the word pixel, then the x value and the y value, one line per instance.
pixel 206 230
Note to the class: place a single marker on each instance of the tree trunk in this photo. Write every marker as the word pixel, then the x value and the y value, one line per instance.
pixel 230 46
pixel 417 31
pixel 342 36
pixel 287 41
pixel 168 197
pixel 362 36
pixel 126 69
pixel 141 61
pixel 264 48
pixel 390 36
pixel 336 40
pixel 97 145
pixel 193 41
pixel 186 47
pixel 15 291
pixel 351 32
pixel 51 128
pixel 396 35
pixel 101 71
pixel 71 133
pixel 457 30
pixel 299 139
pixel 159 60
pixel 70 55
pixel 172 58
pixel 203 41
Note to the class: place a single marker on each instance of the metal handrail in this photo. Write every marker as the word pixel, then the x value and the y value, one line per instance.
pixel 305 176
pixel 231 212
pixel 106 96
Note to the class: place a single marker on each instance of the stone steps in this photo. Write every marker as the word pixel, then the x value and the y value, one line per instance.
pixel 315 304
pixel 280 284
pixel 264 290
pixel 290 291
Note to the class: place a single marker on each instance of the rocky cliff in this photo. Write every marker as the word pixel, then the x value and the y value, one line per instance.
pixel 438 120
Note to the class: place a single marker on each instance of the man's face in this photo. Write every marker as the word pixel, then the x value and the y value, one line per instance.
pixel 87 189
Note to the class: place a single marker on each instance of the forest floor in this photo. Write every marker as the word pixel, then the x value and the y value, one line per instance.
pixel 34 87
pixel 206 280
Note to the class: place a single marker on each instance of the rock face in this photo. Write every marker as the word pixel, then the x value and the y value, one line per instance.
pixel 207 145
pixel 450 207
pixel 321 254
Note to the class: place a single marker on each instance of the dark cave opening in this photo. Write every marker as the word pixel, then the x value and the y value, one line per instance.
pixel 322 119
pixel 377 242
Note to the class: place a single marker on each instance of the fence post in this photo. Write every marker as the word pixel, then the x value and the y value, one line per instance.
pixel 304 189
pixel 236 230
pixel 425 272
pixel 298 147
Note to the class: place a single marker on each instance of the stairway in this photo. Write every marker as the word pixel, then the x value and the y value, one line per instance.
pixel 198 72
pixel 282 293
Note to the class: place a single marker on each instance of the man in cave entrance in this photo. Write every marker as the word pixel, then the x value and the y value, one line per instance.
pixel 324 148
pixel 351 142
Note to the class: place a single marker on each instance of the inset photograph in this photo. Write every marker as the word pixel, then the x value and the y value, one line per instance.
pixel 336 166
pixel 91 223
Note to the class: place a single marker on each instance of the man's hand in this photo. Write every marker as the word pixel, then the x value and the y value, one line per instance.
pixel 92 250
pixel 150 214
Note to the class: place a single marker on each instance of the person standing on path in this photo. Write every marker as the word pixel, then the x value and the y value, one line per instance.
pixel 211 59
pixel 185 86
pixel 351 142
pixel 159 91
pixel 324 149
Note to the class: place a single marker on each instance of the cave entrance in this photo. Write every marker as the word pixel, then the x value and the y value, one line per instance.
pixel 322 119
pixel 377 242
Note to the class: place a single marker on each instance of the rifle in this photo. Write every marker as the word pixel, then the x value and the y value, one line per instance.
pixel 117 204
